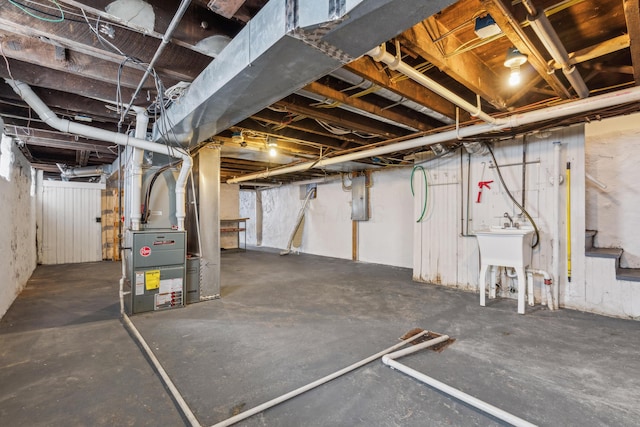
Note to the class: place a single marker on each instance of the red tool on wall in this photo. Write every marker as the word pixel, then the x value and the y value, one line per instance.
pixel 481 185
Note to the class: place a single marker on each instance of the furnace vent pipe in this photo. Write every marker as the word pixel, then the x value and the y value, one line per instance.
pixel 451 391
pixel 67 173
pixel 563 110
pixel 64 125
pixel 135 212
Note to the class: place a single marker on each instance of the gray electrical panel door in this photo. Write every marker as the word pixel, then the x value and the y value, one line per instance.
pixel 157 274
pixel 359 199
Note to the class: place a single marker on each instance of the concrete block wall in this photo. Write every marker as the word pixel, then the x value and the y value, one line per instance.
pixel 18 219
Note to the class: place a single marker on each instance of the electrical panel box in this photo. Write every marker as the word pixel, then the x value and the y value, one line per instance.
pixel 359 199
pixel 156 276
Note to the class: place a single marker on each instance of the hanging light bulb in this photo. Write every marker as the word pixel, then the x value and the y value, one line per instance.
pixel 513 61
pixel 272 145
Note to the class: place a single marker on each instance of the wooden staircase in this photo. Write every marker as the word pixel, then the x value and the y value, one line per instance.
pixel 627 274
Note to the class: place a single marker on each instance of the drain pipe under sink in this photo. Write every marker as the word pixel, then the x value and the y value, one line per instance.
pixel 546 296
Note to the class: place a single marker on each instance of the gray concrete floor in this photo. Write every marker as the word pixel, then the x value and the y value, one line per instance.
pixel 283 322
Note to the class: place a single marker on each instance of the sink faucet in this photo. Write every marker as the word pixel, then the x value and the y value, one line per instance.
pixel 506 215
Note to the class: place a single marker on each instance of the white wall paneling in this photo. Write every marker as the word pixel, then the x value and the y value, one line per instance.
pixel 69 230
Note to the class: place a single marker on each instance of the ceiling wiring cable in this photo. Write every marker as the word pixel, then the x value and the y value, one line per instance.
pixel 426 189
pixel 513 199
pixel 25 8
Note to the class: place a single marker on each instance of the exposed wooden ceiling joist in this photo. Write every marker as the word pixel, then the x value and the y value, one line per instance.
pixel 346 119
pixel 469 70
pixel 366 68
pixel 328 92
pixel 632 16
pixel 516 35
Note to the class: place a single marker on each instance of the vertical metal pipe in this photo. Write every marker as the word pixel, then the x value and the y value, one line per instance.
pixel 556 222
pixel 165 40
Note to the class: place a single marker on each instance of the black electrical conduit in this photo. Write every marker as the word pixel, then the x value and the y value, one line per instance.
pixel 515 202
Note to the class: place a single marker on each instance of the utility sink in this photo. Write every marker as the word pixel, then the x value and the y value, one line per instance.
pixel 504 247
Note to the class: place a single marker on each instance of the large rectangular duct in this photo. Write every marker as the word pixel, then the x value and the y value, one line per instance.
pixel 288 44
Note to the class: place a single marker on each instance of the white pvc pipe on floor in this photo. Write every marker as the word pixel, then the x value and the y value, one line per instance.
pixel 454 392
pixel 193 421
pixel 319 382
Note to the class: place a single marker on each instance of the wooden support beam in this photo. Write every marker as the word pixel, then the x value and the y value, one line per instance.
pixel 226 8
pixel 35 75
pixel 37 52
pixel 306 130
pixel 609 46
pixel 632 16
pixel 366 68
pixel 79 37
pixel 328 92
pixel 344 119
pixel 467 68
pixel 55 139
pixel 516 35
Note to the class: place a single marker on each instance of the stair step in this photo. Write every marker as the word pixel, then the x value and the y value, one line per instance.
pixel 589 235
pixel 604 252
pixel 628 274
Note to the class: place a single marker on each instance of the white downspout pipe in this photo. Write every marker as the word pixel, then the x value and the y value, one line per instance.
pixel 379 54
pixel 556 222
pixel 549 38
pixel 390 361
pixel 575 107
pixel 546 288
pixel 63 125
pixel 142 121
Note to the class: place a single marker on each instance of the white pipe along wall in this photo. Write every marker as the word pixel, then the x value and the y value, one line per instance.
pixel 63 125
pixel 575 107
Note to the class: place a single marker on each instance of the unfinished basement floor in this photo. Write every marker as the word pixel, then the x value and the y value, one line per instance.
pixel 282 322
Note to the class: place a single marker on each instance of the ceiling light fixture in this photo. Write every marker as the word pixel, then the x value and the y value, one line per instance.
pixel 513 61
pixel 272 144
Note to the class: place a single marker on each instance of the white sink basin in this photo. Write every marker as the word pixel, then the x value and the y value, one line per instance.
pixel 507 247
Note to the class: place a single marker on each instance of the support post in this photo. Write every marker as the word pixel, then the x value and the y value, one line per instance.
pixel 209 215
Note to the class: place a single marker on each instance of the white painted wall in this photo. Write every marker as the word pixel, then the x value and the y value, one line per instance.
pixel 436 247
pixel 613 157
pixel 230 209
pixel 385 239
pixel 443 256
pixel 17 214
pixel 247 209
